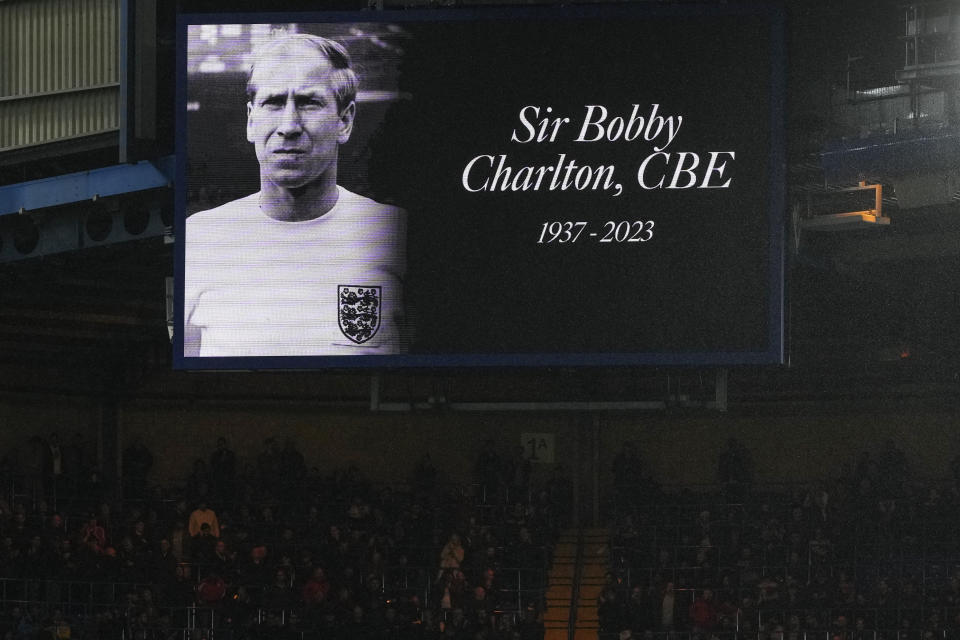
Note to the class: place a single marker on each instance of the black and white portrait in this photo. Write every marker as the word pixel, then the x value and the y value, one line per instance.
pixel 287 252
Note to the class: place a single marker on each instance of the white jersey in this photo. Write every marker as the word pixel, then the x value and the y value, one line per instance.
pixel 255 286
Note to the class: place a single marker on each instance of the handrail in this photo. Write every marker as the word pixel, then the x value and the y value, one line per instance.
pixel 820 634
pixel 575 588
pixel 202 618
pixel 119 588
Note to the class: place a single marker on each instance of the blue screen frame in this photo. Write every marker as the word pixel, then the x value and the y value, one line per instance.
pixel 769 351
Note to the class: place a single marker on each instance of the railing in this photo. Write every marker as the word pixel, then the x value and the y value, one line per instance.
pixel 797 634
pixel 917 546
pixel 77 597
pixel 213 622
pixel 31 488
pixel 489 510
pixel 279 624
pixel 769 614
pixel 517 587
pixel 927 569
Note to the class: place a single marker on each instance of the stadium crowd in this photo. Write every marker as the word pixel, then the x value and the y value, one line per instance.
pixel 277 549
pixel 873 554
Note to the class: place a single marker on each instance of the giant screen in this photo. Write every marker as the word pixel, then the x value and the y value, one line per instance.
pixel 599 185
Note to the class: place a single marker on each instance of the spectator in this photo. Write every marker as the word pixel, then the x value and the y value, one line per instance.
pixel 53 466
pixel 627 468
pixel 639 610
pixel 487 471
pixel 452 553
pixel 74 463
pixel 31 461
pixel 516 474
pixel 164 563
pixel 316 589
pixel 560 490
pixel 611 614
pixel 137 462
pixel 425 474
pixel 531 625
pixel 703 613
pixel 92 536
pixel 892 462
pixel 668 607
pixel 223 469
pixel 58 628
pixel 202 545
pixel 198 482
pixel 138 536
pixel 203 515
pixel 269 465
pixel 279 595
pixel 132 564
pixel 292 464
pixel 179 541
pixel 735 470
pixel 211 589
pixel 477 608
pixel 222 561
pixel 256 571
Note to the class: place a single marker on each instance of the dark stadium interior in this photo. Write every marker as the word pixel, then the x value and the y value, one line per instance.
pixel 817 499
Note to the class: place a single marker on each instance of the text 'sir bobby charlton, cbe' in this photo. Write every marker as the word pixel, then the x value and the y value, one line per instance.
pixel 302 267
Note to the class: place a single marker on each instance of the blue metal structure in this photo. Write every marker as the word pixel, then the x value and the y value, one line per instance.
pixel 86 185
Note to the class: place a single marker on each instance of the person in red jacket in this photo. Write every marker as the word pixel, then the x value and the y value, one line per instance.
pixel 316 588
pixel 703 613
pixel 211 589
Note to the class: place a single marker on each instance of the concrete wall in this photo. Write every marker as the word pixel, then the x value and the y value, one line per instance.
pixel 793 445
pixel 789 444
pixel 22 417
pixel 385 446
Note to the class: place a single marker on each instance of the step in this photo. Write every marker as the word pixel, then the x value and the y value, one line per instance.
pixel 602 563
pixel 587 615
pixel 595 570
pixel 562 571
pixel 561 592
pixel 588 591
pixel 557 615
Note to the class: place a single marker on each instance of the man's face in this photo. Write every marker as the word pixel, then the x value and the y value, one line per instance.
pixel 293 120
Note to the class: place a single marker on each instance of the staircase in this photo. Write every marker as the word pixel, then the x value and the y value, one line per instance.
pixel 580 563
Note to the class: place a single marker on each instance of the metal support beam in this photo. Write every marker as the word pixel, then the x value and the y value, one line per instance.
pixel 577 471
pixel 720 401
pixel 86 185
pixel 126 51
pixel 595 471
pixel 633 405
pixel 375 382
